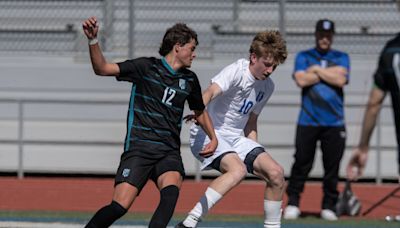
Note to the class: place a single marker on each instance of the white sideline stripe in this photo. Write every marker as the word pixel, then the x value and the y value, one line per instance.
pixel 52 225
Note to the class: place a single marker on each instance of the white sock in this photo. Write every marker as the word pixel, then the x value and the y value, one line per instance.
pixel 273 211
pixel 208 200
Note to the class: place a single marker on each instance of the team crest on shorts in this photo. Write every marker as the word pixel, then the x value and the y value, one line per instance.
pixel 182 83
pixel 125 172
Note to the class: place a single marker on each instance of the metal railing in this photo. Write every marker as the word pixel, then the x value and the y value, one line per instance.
pixel 21 141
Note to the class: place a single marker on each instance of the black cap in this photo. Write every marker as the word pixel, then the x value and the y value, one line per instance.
pixel 325 25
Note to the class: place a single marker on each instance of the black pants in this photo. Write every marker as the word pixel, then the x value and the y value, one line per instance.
pixel 333 140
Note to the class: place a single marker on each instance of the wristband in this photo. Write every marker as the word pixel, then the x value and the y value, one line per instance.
pixel 93 41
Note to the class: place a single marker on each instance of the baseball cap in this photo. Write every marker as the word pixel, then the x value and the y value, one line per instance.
pixel 325 25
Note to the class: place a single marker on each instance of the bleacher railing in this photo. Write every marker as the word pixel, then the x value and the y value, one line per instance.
pixel 21 141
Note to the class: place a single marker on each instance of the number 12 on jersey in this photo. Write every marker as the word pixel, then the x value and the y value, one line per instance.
pixel 246 106
pixel 169 94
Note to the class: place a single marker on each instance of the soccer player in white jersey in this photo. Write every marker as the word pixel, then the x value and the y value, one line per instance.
pixel 234 99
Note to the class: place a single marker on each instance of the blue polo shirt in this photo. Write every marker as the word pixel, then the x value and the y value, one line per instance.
pixel 322 103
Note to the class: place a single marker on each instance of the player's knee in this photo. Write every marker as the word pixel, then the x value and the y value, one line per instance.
pixel 125 194
pixel 277 177
pixel 239 173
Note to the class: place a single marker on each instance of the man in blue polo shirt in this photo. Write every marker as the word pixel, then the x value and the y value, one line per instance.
pixel 321 73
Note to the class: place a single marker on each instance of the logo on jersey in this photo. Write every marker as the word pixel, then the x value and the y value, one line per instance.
pixel 182 84
pixel 260 96
pixel 125 172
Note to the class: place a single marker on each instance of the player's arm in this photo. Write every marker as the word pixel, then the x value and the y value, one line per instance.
pixel 371 113
pixel 250 130
pixel 204 120
pixel 359 157
pixel 305 78
pixel 211 92
pixel 335 75
pixel 100 65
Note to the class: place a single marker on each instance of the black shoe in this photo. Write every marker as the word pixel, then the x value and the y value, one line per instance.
pixel 180 225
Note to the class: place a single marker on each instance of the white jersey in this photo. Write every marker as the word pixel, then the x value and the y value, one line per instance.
pixel 241 95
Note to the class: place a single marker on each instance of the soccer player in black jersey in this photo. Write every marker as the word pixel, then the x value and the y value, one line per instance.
pixel 386 79
pixel 160 88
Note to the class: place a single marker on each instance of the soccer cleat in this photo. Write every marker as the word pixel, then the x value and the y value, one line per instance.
pixel 328 215
pixel 291 212
pixel 180 225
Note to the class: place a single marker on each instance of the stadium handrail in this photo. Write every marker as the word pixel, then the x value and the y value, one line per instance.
pixel 21 119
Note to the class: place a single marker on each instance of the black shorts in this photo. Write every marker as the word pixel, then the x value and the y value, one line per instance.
pixel 137 170
pixel 248 161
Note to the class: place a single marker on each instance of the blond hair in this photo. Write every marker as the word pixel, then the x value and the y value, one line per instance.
pixel 269 44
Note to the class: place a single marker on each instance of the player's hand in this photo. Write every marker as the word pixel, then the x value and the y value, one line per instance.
pixel 209 149
pixel 90 27
pixel 357 164
pixel 190 118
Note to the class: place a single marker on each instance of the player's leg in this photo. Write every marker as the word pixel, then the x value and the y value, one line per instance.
pixel 233 171
pixel 124 195
pixel 168 174
pixel 333 143
pixel 131 176
pixel 265 167
pixel 169 184
pixel 306 140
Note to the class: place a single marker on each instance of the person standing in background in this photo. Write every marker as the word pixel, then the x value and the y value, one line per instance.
pixel 321 73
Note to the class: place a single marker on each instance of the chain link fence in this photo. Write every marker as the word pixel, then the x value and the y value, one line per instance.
pixel 43 25
pixel 131 28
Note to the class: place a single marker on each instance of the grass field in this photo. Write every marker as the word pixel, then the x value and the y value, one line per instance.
pixel 44 219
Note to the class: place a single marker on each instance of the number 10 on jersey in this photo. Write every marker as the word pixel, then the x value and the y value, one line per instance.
pixel 246 106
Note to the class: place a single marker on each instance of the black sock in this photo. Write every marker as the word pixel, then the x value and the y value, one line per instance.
pixel 106 215
pixel 162 215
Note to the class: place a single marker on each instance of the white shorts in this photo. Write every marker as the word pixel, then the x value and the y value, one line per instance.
pixel 226 143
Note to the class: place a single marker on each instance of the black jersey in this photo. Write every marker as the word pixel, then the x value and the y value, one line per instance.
pixel 387 77
pixel 156 105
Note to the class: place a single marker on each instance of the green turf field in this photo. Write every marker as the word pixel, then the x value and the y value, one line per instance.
pixel 140 220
